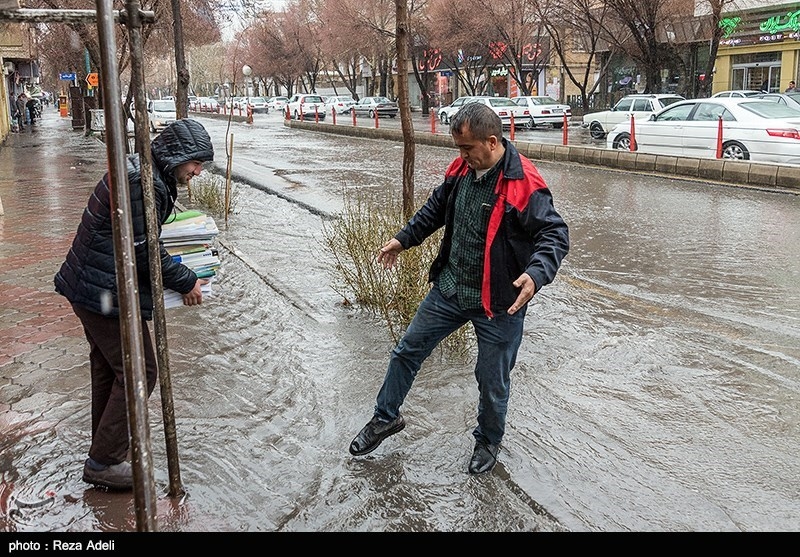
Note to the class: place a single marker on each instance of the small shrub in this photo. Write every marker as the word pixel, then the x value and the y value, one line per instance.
pixel 208 191
pixel 392 295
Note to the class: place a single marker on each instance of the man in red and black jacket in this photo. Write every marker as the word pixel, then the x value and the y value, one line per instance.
pixel 503 241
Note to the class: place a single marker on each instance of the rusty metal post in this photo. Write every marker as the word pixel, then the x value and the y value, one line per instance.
pixel 127 285
pixel 154 253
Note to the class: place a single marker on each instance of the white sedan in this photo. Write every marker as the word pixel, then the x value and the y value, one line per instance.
pixel 545 110
pixel 447 112
pixel 752 129
pixel 506 109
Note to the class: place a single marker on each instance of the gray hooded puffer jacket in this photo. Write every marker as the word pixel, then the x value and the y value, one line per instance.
pixel 88 276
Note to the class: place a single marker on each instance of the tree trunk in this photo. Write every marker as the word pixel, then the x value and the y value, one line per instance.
pixel 182 94
pixel 409 147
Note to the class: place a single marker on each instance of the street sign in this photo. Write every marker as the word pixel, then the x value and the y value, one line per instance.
pixel 66 76
pixel 92 80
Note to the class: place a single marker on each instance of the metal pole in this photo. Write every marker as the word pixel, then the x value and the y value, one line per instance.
pixel 127 285
pixel 154 250
pixel 25 15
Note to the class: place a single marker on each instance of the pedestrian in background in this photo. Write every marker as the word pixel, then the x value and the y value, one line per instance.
pixel 22 110
pixel 32 108
pixel 88 280
pixel 791 88
pixel 503 241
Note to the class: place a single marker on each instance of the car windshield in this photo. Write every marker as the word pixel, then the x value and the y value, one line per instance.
pixel 164 106
pixel 501 101
pixel 381 100
pixel 767 109
pixel 312 99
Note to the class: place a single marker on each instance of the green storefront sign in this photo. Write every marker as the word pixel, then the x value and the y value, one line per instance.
pixel 760 27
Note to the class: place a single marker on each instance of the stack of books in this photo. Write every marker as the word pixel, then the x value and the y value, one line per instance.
pixel 189 239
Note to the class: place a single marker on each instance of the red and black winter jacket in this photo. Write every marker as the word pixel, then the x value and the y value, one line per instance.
pixel 525 233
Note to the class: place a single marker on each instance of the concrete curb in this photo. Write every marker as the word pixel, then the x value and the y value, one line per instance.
pixel 736 173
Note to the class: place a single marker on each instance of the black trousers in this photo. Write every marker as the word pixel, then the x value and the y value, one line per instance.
pixel 110 433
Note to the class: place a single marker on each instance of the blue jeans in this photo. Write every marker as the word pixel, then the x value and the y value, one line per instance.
pixel 498 342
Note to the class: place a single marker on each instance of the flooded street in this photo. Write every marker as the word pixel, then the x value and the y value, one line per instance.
pixel 656 388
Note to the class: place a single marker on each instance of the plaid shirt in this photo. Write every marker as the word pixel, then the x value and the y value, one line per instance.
pixel 464 269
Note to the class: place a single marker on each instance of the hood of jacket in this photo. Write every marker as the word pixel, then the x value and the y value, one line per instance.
pixel 182 141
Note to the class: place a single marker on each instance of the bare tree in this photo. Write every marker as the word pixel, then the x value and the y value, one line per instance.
pixel 576 28
pixel 642 20
pixel 717 31
pixel 519 38
pixel 458 30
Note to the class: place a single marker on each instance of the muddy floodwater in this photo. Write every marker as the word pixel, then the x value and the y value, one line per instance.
pixel 656 388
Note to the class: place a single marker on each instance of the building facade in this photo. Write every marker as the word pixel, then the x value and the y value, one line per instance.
pixel 18 60
pixel 760 47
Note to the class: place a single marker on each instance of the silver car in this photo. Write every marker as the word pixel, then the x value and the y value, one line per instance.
pixel 371 106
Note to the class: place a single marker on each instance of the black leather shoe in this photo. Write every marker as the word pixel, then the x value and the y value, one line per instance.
pixel 373 434
pixel 484 457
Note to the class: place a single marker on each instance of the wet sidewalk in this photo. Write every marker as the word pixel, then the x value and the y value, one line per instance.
pixel 46 175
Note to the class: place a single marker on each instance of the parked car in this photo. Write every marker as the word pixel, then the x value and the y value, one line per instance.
pixel 341 103
pixel 505 107
pixel 207 104
pixel 739 93
pixel 259 105
pixel 447 112
pixel 161 113
pixel 788 99
pixel 752 129
pixel 641 106
pixel 382 106
pixel 545 110
pixel 192 102
pixel 277 103
pixel 305 106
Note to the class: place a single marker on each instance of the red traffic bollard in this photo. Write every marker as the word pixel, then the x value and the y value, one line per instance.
pixel 719 138
pixel 286 112
pixel 565 133
pixel 249 114
pixel 353 112
pixel 433 121
pixel 632 146
pixel 316 114
pixel 376 118
pixel 333 115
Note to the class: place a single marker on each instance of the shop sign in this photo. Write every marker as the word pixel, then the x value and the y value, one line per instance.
pixel 760 28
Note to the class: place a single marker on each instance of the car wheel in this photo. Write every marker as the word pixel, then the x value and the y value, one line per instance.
pixel 558 126
pixel 596 130
pixel 443 118
pixel 735 150
pixel 296 115
pixel 623 142
pixel 392 115
pixel 372 114
pixel 152 128
pixel 530 124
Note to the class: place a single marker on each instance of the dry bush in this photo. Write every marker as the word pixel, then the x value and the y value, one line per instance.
pixel 208 191
pixel 392 295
